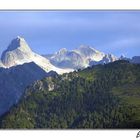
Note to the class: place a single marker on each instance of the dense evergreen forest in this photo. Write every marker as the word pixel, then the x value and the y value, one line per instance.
pixel 102 96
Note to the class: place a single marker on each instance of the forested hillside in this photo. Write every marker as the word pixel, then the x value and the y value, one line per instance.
pixel 102 96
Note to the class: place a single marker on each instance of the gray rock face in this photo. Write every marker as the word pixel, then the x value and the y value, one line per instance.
pixel 70 59
pixel 122 57
pixel 14 80
pixel 89 52
pixel 106 59
pixel 135 59
pixel 16 53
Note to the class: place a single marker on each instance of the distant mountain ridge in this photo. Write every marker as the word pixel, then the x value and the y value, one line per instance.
pixel 63 61
pixel 81 57
pixel 135 59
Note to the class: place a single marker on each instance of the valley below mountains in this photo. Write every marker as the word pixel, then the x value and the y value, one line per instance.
pixel 102 96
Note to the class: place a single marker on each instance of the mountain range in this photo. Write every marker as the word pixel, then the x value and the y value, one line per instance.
pixel 84 56
pixel 20 67
pixel 64 61
pixel 81 57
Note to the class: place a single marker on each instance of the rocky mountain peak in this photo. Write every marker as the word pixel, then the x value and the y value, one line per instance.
pixel 62 51
pixel 18 53
pixel 18 43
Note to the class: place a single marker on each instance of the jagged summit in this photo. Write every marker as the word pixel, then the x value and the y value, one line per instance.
pixel 62 51
pixel 16 53
pixel 18 37
pixel 108 58
pixel 90 52
pixel 77 58
pixel 18 43
pixel 86 47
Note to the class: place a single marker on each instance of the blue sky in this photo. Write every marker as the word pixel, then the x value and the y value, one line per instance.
pixel 116 32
